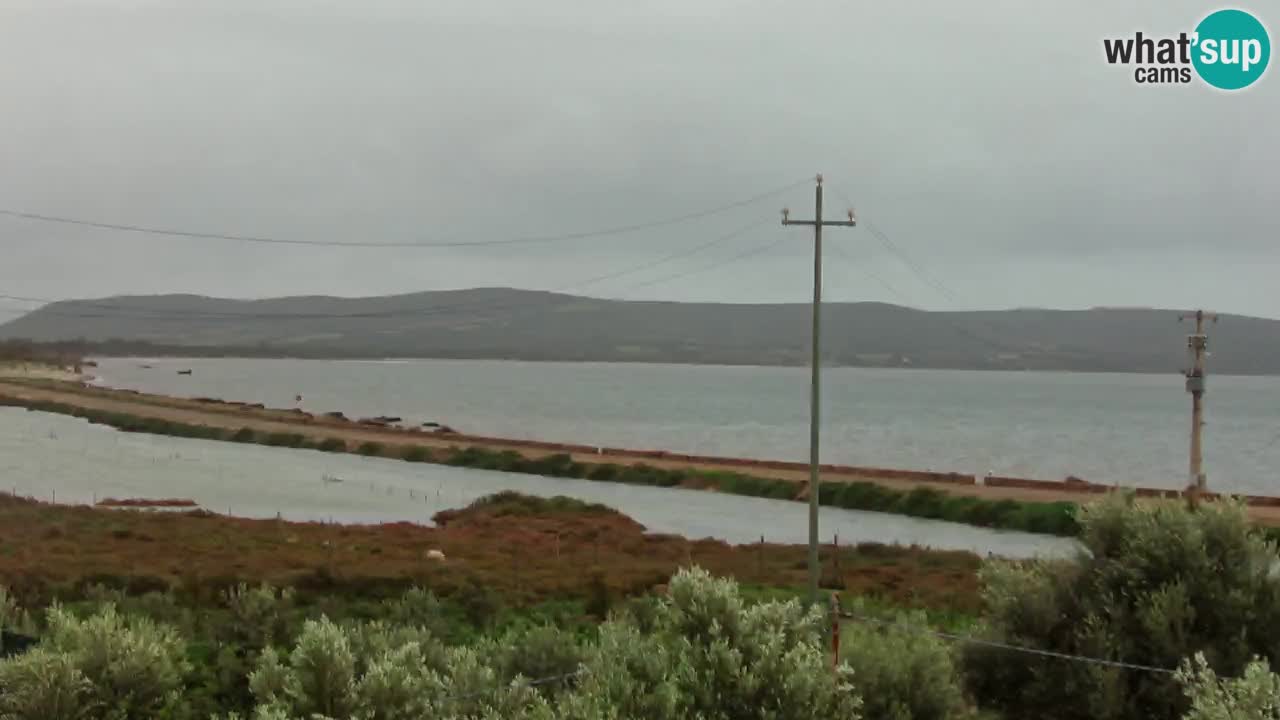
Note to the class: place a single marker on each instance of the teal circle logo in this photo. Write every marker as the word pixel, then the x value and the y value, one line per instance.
pixel 1232 49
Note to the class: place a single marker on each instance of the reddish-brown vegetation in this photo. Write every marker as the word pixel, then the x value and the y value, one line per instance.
pixel 526 556
pixel 147 502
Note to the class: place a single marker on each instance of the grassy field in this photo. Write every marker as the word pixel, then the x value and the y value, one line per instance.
pixel 506 551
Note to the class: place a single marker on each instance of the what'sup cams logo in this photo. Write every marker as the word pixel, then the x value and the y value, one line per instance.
pixel 1229 50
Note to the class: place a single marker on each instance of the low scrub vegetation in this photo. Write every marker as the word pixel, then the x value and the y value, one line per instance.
pixel 699 651
pixel 510 503
pixel 522 551
pixel 1165 614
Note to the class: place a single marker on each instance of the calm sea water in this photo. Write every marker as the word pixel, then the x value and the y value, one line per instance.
pixel 1114 428
pixel 64 459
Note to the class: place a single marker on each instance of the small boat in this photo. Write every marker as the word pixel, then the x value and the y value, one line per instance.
pixel 331 479
pixel 184 372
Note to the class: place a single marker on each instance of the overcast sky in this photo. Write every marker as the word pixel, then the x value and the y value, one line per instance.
pixel 989 141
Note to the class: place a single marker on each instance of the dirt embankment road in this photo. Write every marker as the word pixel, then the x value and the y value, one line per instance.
pixel 233 416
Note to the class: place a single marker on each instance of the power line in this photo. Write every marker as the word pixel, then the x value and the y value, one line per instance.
pixel 969 640
pixel 915 267
pixel 750 252
pixel 865 272
pixel 122 311
pixel 604 232
pixel 528 683
pixel 903 257
pixel 906 260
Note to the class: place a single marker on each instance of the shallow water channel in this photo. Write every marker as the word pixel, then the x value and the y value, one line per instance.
pixel 65 459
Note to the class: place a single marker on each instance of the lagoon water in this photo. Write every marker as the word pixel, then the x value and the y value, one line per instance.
pixel 1112 428
pixel 67 460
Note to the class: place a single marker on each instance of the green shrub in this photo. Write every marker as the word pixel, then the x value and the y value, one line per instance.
pixel 244 435
pixel 101 666
pixel 260 615
pixel 638 474
pixel 417 454
pixel 709 654
pixel 467 457
pixel 332 445
pixel 1152 584
pixel 753 486
pixel 480 604
pixel 284 440
pixel 541 652
pixel 607 472
pixel 671 478
pixel 925 502
pixel 422 609
pixel 557 465
pixel 510 502
pixel 900 672
pixel 1255 695
pixel 370 448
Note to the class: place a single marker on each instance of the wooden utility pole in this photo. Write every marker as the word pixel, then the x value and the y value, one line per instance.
pixel 1197 344
pixel 816 366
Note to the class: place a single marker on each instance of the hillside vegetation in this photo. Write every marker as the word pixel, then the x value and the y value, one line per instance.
pixel 531 325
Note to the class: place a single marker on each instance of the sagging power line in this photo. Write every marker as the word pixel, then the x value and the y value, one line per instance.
pixel 115 310
pixel 263 239
pixel 969 640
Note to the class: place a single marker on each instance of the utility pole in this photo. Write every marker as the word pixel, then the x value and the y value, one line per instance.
pixel 816 369
pixel 1197 344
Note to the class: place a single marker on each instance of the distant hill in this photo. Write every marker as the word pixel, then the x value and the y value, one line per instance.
pixel 534 325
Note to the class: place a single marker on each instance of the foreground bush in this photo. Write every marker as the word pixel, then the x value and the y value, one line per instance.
pixel 101 667
pixel 902 673
pixel 700 652
pixel 1153 584
pixel 12 618
pixel 706 654
pixel 370 672
pixel 1255 695
pixel 703 653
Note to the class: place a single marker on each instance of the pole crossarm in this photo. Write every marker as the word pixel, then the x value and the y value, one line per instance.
pixel 825 223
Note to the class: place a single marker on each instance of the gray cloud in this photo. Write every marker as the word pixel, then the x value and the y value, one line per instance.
pixel 991 142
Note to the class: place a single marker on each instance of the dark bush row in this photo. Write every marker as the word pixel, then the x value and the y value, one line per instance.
pixel 1052 518
pixel 1056 518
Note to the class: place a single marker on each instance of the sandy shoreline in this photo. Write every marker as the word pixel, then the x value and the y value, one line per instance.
pixel 233 416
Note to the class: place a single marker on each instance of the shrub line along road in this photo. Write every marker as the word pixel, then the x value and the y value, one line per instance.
pixel 231 416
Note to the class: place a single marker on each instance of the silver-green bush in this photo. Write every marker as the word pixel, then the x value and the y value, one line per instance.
pixel 902 673
pixel 1152 584
pixel 1255 695
pixel 104 667
pixel 710 655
